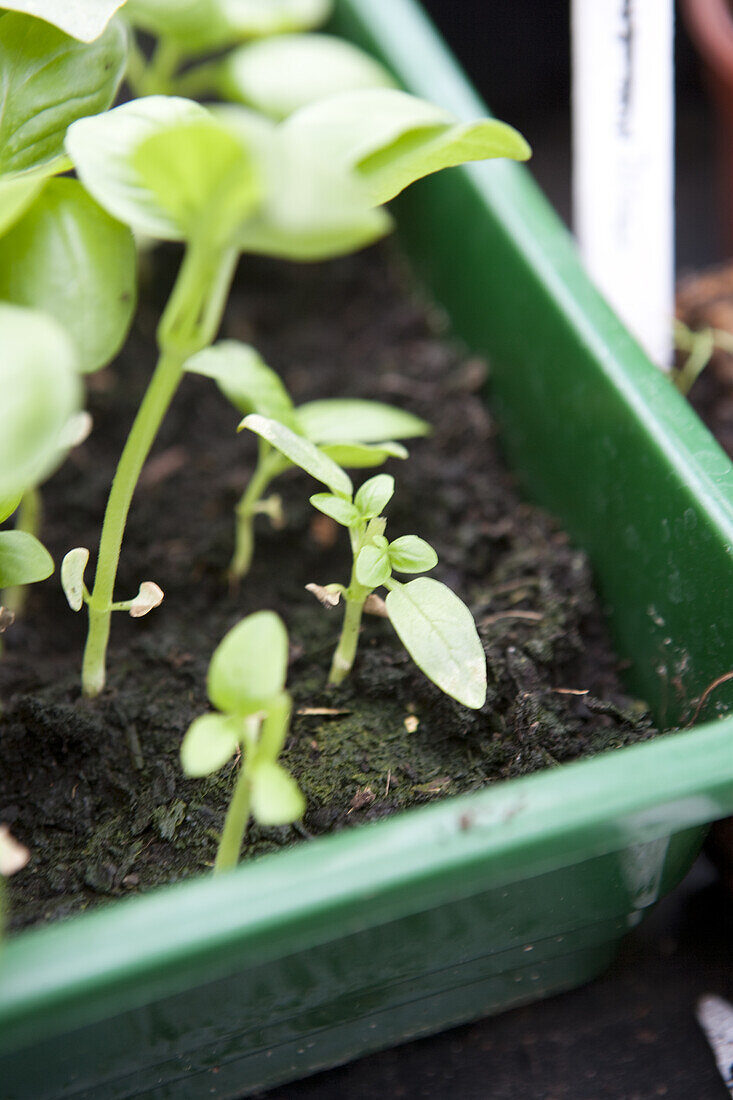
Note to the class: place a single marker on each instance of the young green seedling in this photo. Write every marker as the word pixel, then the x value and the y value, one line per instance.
pixel 354 433
pixel 434 625
pixel 699 346
pixel 246 684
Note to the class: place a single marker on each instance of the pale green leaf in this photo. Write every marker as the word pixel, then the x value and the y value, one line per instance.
pixel 361 456
pixel 301 452
pixel 340 510
pixel 18 191
pixel 83 19
pixel 353 420
pixel 245 379
pixel 48 81
pixel 374 495
pixel 392 138
pixel 438 631
pixel 68 257
pixel 8 505
pixel 103 148
pixel 276 798
pixel 372 566
pixel 23 559
pixel 280 74
pixel 200 25
pixel 249 666
pixel 73 567
pixel 411 554
pixel 40 393
pixel 209 742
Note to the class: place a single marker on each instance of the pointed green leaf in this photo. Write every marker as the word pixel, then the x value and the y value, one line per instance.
pixel 209 743
pixel 361 456
pixel 438 631
pixel 69 258
pixel 372 566
pixel 23 559
pixel 301 452
pixel 84 19
pixel 374 495
pixel 201 25
pixel 249 666
pixel 411 554
pixel 48 81
pixel 40 393
pixel 352 420
pixel 245 379
pixel 392 138
pixel 276 798
pixel 280 74
pixel 73 567
pixel 8 505
pixel 340 510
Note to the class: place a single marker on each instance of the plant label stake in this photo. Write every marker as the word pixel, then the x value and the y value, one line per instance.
pixel 623 118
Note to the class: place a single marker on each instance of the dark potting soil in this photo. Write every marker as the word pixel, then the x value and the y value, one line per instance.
pixel 95 789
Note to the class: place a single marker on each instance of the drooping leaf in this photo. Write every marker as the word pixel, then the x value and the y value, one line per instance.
pixel 411 554
pixel 392 138
pixel 340 510
pixel 149 596
pixel 280 74
pixel 210 741
pixel 83 19
pixel 103 149
pixel 353 420
pixel 245 379
pixel 200 25
pixel 372 566
pixel 301 452
pixel 73 567
pixel 68 257
pixel 374 495
pixel 23 559
pixel 249 666
pixel 361 456
pixel 276 797
pixel 438 631
pixel 40 393
pixel 48 81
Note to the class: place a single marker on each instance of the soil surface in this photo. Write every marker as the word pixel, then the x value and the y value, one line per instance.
pixel 95 789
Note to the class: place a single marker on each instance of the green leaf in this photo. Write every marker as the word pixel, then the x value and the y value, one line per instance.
pixel 352 420
pixel 374 495
pixel 301 452
pixel 340 510
pixel 362 456
pixel 209 742
pixel 200 25
pixel 276 798
pixel 40 393
pixel 103 148
pixel 245 379
pixel 438 631
pixel 372 566
pixel 83 19
pixel 69 258
pixel 8 505
pixel 23 559
pixel 278 75
pixel 411 554
pixel 18 191
pixel 48 81
pixel 392 138
pixel 249 666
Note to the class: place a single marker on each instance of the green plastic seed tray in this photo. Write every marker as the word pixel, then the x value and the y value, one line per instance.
pixel 317 955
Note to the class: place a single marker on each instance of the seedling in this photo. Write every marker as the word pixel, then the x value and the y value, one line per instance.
pixel 434 625
pixel 699 347
pixel 171 170
pixel 354 433
pixel 246 683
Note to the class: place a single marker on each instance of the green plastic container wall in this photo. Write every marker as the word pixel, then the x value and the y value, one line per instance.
pixel 359 941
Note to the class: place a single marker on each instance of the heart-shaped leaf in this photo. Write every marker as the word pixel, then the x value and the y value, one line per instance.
pixel 438 631
pixel 83 19
pixel 411 554
pixel 301 452
pixel 249 666
pixel 276 798
pixel 245 379
pixel 209 743
pixel 23 559
pixel 68 257
pixel 353 420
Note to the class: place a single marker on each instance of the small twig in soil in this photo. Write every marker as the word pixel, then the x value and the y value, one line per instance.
pixel 529 616
pixel 708 690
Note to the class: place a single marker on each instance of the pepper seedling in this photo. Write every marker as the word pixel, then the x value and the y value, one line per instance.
pixel 434 625
pixel 354 433
pixel 246 684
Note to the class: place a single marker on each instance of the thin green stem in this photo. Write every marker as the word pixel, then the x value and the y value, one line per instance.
pixel 189 323
pixel 246 509
pixel 30 516
pixel 238 814
pixel 156 77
